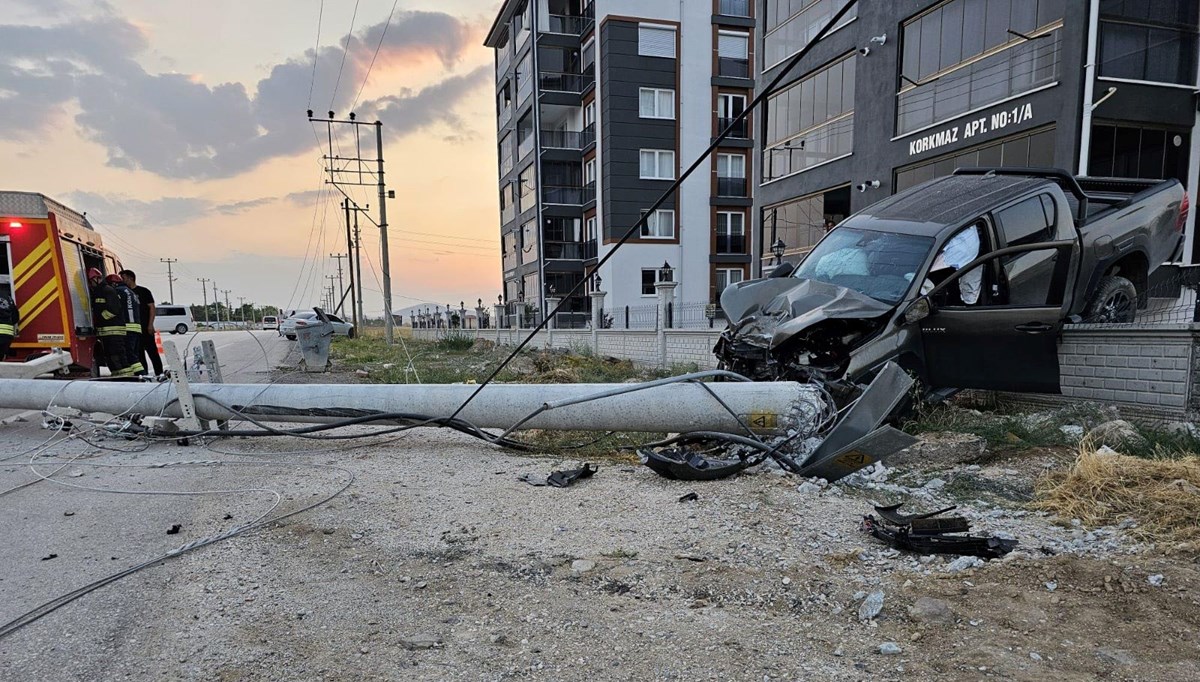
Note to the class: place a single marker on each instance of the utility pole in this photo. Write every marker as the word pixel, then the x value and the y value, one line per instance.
pixel 170 275
pixel 217 301
pixel 228 308
pixel 332 296
pixel 355 170
pixel 204 288
pixel 341 285
pixel 242 307
pixel 362 314
pixel 350 249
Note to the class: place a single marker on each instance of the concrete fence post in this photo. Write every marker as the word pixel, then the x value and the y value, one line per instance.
pixel 666 293
pixel 597 319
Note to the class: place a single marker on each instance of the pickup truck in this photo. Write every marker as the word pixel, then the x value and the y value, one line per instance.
pixel 965 281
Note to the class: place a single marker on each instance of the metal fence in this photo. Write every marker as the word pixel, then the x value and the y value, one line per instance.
pixel 1171 298
pixel 681 316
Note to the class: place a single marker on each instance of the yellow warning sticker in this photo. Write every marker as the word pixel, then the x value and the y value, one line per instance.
pixel 853 459
pixel 763 420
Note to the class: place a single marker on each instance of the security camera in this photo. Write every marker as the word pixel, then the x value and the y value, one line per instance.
pixel 864 51
pixel 879 40
pixel 869 184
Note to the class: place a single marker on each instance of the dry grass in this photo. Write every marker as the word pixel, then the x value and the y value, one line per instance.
pixel 1161 495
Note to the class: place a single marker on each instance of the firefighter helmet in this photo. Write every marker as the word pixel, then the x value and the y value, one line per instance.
pixel 114 279
pixel 94 273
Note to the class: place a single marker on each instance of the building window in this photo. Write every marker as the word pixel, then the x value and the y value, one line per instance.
pixel 527 188
pixel 529 241
pixel 525 137
pixel 1129 152
pixel 731 175
pixel 656 41
pixel 506 203
pixel 968 54
pixel 656 103
pixel 731 232
pixel 524 77
pixel 727 276
pixel 589 56
pixel 649 279
pixel 801 223
pixel 657 164
pixel 1149 41
pixel 729 107
pixel 589 114
pixel 1032 149
pixel 791 24
pixel 589 171
pixel 733 54
pixel 508 246
pixel 589 229
pixel 810 122
pixel 506 154
pixel 659 225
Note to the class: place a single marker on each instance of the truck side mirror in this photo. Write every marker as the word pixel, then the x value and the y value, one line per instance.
pixel 782 270
pixel 919 310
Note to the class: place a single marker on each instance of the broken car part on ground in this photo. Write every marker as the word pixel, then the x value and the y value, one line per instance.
pixel 932 533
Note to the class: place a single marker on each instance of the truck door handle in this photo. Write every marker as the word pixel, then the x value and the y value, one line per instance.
pixel 1034 327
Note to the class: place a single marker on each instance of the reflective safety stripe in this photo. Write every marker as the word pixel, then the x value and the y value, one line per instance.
pixel 136 367
pixel 134 328
pixel 7 330
pixel 110 331
pixel 107 315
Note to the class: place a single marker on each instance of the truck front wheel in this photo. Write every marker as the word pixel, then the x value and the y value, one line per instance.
pixel 1115 301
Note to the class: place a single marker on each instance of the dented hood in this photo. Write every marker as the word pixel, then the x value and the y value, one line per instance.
pixel 767 312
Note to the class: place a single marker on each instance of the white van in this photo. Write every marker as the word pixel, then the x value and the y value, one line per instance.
pixel 176 319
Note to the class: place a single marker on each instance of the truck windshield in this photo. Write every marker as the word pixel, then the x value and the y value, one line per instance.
pixel 881 265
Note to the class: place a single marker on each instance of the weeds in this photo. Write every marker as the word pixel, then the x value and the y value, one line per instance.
pixel 455 342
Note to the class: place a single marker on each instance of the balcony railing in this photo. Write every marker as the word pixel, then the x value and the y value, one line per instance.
pixel 567 139
pixel 570 250
pixel 507 213
pixel 506 163
pixel 589 133
pixel 733 67
pixel 731 243
pixel 525 146
pixel 739 129
pixel 572 26
pixel 553 81
pixel 589 192
pixel 505 116
pixel 731 187
pixel 734 8
pixel 568 195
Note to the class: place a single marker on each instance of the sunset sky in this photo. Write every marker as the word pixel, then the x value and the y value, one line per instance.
pixel 180 128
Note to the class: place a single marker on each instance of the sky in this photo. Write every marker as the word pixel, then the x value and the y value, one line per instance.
pixel 180 128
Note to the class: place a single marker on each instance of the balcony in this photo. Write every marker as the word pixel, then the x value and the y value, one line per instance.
pixel 504 117
pixel 553 81
pixel 567 195
pixel 731 243
pixel 507 213
pixel 734 8
pixel 589 135
pixel 568 139
pixel 525 147
pixel 739 129
pixel 569 250
pixel 568 25
pixel 732 67
pixel 731 187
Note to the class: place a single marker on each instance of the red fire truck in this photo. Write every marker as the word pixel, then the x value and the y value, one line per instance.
pixel 45 252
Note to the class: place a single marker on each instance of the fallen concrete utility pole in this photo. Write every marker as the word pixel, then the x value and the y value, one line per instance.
pixel 770 408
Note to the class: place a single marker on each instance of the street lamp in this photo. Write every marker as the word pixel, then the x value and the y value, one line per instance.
pixel 596 282
pixel 666 273
pixel 778 248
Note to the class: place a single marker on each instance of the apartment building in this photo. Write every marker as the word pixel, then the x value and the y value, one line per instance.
pixel 906 91
pixel 600 106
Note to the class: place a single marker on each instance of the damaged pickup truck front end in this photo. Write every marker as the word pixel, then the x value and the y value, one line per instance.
pixel 796 329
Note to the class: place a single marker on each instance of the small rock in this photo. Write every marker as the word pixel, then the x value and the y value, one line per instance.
pixel 1119 656
pixel 871 606
pixel 1105 451
pixel 839 652
pixel 76 474
pixel 889 649
pixel 1072 431
pixel 963 563
pixel 1051 586
pixel 421 642
pixel 915 637
pixel 582 565
pixel 498 639
pixel 934 484
pixel 930 610
pixel 808 488
pixel 1116 434
pixel 1035 655
pixel 1155 580
pixel 421 585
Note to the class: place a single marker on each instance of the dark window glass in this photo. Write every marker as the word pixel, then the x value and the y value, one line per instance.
pixel 1150 163
pixel 848 86
pixel 931 30
pixel 1122 50
pixel 995 28
pixel 1100 151
pixel 991 155
pixel 910 66
pixel 1016 152
pixel 1041 150
pixel 801 131
pixel 952 34
pixel 974 16
pixel 1126 152
pixel 1049 10
pixel 1025 223
pixel 1023 18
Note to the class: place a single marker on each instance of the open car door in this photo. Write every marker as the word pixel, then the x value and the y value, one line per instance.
pixel 1007 340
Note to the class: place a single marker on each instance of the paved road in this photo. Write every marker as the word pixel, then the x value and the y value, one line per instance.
pixel 246 356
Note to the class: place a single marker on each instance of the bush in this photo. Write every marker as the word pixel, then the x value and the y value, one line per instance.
pixel 456 342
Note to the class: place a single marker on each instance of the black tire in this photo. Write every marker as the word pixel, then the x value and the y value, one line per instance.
pixel 1115 301
pixel 180 328
pixel 291 337
pixel 350 333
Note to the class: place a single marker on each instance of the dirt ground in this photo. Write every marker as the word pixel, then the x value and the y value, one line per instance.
pixel 439 564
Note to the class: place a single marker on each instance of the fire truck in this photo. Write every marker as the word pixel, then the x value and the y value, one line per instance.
pixel 45 252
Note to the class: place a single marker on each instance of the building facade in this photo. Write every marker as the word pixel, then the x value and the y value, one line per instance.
pixel 600 105
pixel 908 90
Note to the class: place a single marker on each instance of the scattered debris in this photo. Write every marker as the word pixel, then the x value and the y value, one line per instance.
pixel 227 517
pixel 68 513
pixel 1116 434
pixel 421 642
pixel 686 465
pixel 560 479
pixel 931 533
pixel 689 497
pixel 174 529
pixel 582 565
pixel 930 610
pixel 48 557
pixel 889 649
pixel 1155 580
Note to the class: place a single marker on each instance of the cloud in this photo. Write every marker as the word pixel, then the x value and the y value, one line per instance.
pixel 125 211
pixel 305 198
pixel 176 126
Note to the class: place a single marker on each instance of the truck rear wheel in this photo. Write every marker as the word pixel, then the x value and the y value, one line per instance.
pixel 1115 301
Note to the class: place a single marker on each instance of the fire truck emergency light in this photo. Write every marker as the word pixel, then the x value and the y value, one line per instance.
pixel 14 224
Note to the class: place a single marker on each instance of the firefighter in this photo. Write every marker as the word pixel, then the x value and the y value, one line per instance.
pixel 9 318
pixel 108 317
pixel 133 324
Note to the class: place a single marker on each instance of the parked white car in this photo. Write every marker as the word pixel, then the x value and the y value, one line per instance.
pixel 176 319
pixel 302 319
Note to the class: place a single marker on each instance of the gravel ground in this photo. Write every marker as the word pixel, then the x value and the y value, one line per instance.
pixel 438 564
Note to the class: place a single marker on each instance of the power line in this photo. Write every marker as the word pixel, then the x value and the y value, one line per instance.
pixel 316 50
pixel 345 51
pixel 381 37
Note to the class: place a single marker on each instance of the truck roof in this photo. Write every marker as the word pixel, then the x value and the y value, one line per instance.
pixel 16 204
pixel 947 202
